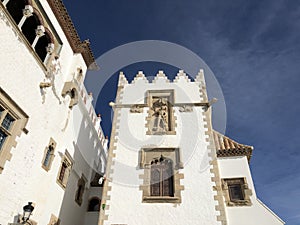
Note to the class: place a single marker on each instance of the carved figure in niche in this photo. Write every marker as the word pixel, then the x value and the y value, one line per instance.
pixel 160 114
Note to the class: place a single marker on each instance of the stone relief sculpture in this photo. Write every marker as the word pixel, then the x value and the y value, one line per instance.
pixel 160 115
pixel 161 118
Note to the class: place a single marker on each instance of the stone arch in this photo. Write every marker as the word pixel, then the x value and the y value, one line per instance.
pixel 94 204
pixel 50 34
pixel 41 46
pixel 29 27
pixel 39 15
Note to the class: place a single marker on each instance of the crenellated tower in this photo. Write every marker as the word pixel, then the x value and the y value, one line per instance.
pixel 167 165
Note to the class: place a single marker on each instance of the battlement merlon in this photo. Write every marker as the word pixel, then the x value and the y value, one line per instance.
pixel 184 88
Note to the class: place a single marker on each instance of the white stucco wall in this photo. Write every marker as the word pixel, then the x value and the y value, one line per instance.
pixel 125 204
pixel 257 213
pixel 23 178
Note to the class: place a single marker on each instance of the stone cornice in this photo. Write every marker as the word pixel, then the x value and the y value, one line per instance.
pixel 68 28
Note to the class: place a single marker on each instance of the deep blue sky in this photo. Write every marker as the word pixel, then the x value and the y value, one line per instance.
pixel 253 48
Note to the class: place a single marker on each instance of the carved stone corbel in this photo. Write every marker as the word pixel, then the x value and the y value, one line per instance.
pixel 45 85
pixel 136 109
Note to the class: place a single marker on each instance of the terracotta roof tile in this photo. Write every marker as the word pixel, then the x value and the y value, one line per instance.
pixel 68 27
pixel 226 147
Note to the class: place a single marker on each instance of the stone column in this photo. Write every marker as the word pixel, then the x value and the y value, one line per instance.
pixel 39 32
pixel 49 49
pixel 27 12
pixel 5 2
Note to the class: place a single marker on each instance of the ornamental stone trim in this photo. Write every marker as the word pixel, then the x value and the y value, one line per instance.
pixel 110 159
pixel 212 156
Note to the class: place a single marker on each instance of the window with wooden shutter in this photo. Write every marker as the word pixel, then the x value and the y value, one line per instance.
pixel 161 177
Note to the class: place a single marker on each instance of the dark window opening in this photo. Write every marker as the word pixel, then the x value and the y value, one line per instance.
pixel 29 27
pixel 62 171
pixel 7 121
pixel 236 189
pixel 2 138
pixel 94 205
pixel 15 8
pixel 79 192
pixel 236 192
pixel 73 93
pixel 41 46
pixel 48 155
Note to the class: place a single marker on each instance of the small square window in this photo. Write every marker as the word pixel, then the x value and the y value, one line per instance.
pixel 236 192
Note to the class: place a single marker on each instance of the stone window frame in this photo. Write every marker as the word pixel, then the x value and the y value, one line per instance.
pixel 80 190
pixel 16 128
pixel 68 161
pixel 52 144
pixel 145 157
pixel 161 93
pixel 247 192
pixel 54 220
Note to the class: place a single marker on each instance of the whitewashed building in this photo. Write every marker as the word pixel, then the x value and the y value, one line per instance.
pixel 52 148
pixel 167 165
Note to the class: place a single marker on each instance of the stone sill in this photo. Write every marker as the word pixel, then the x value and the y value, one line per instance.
pixel 161 199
